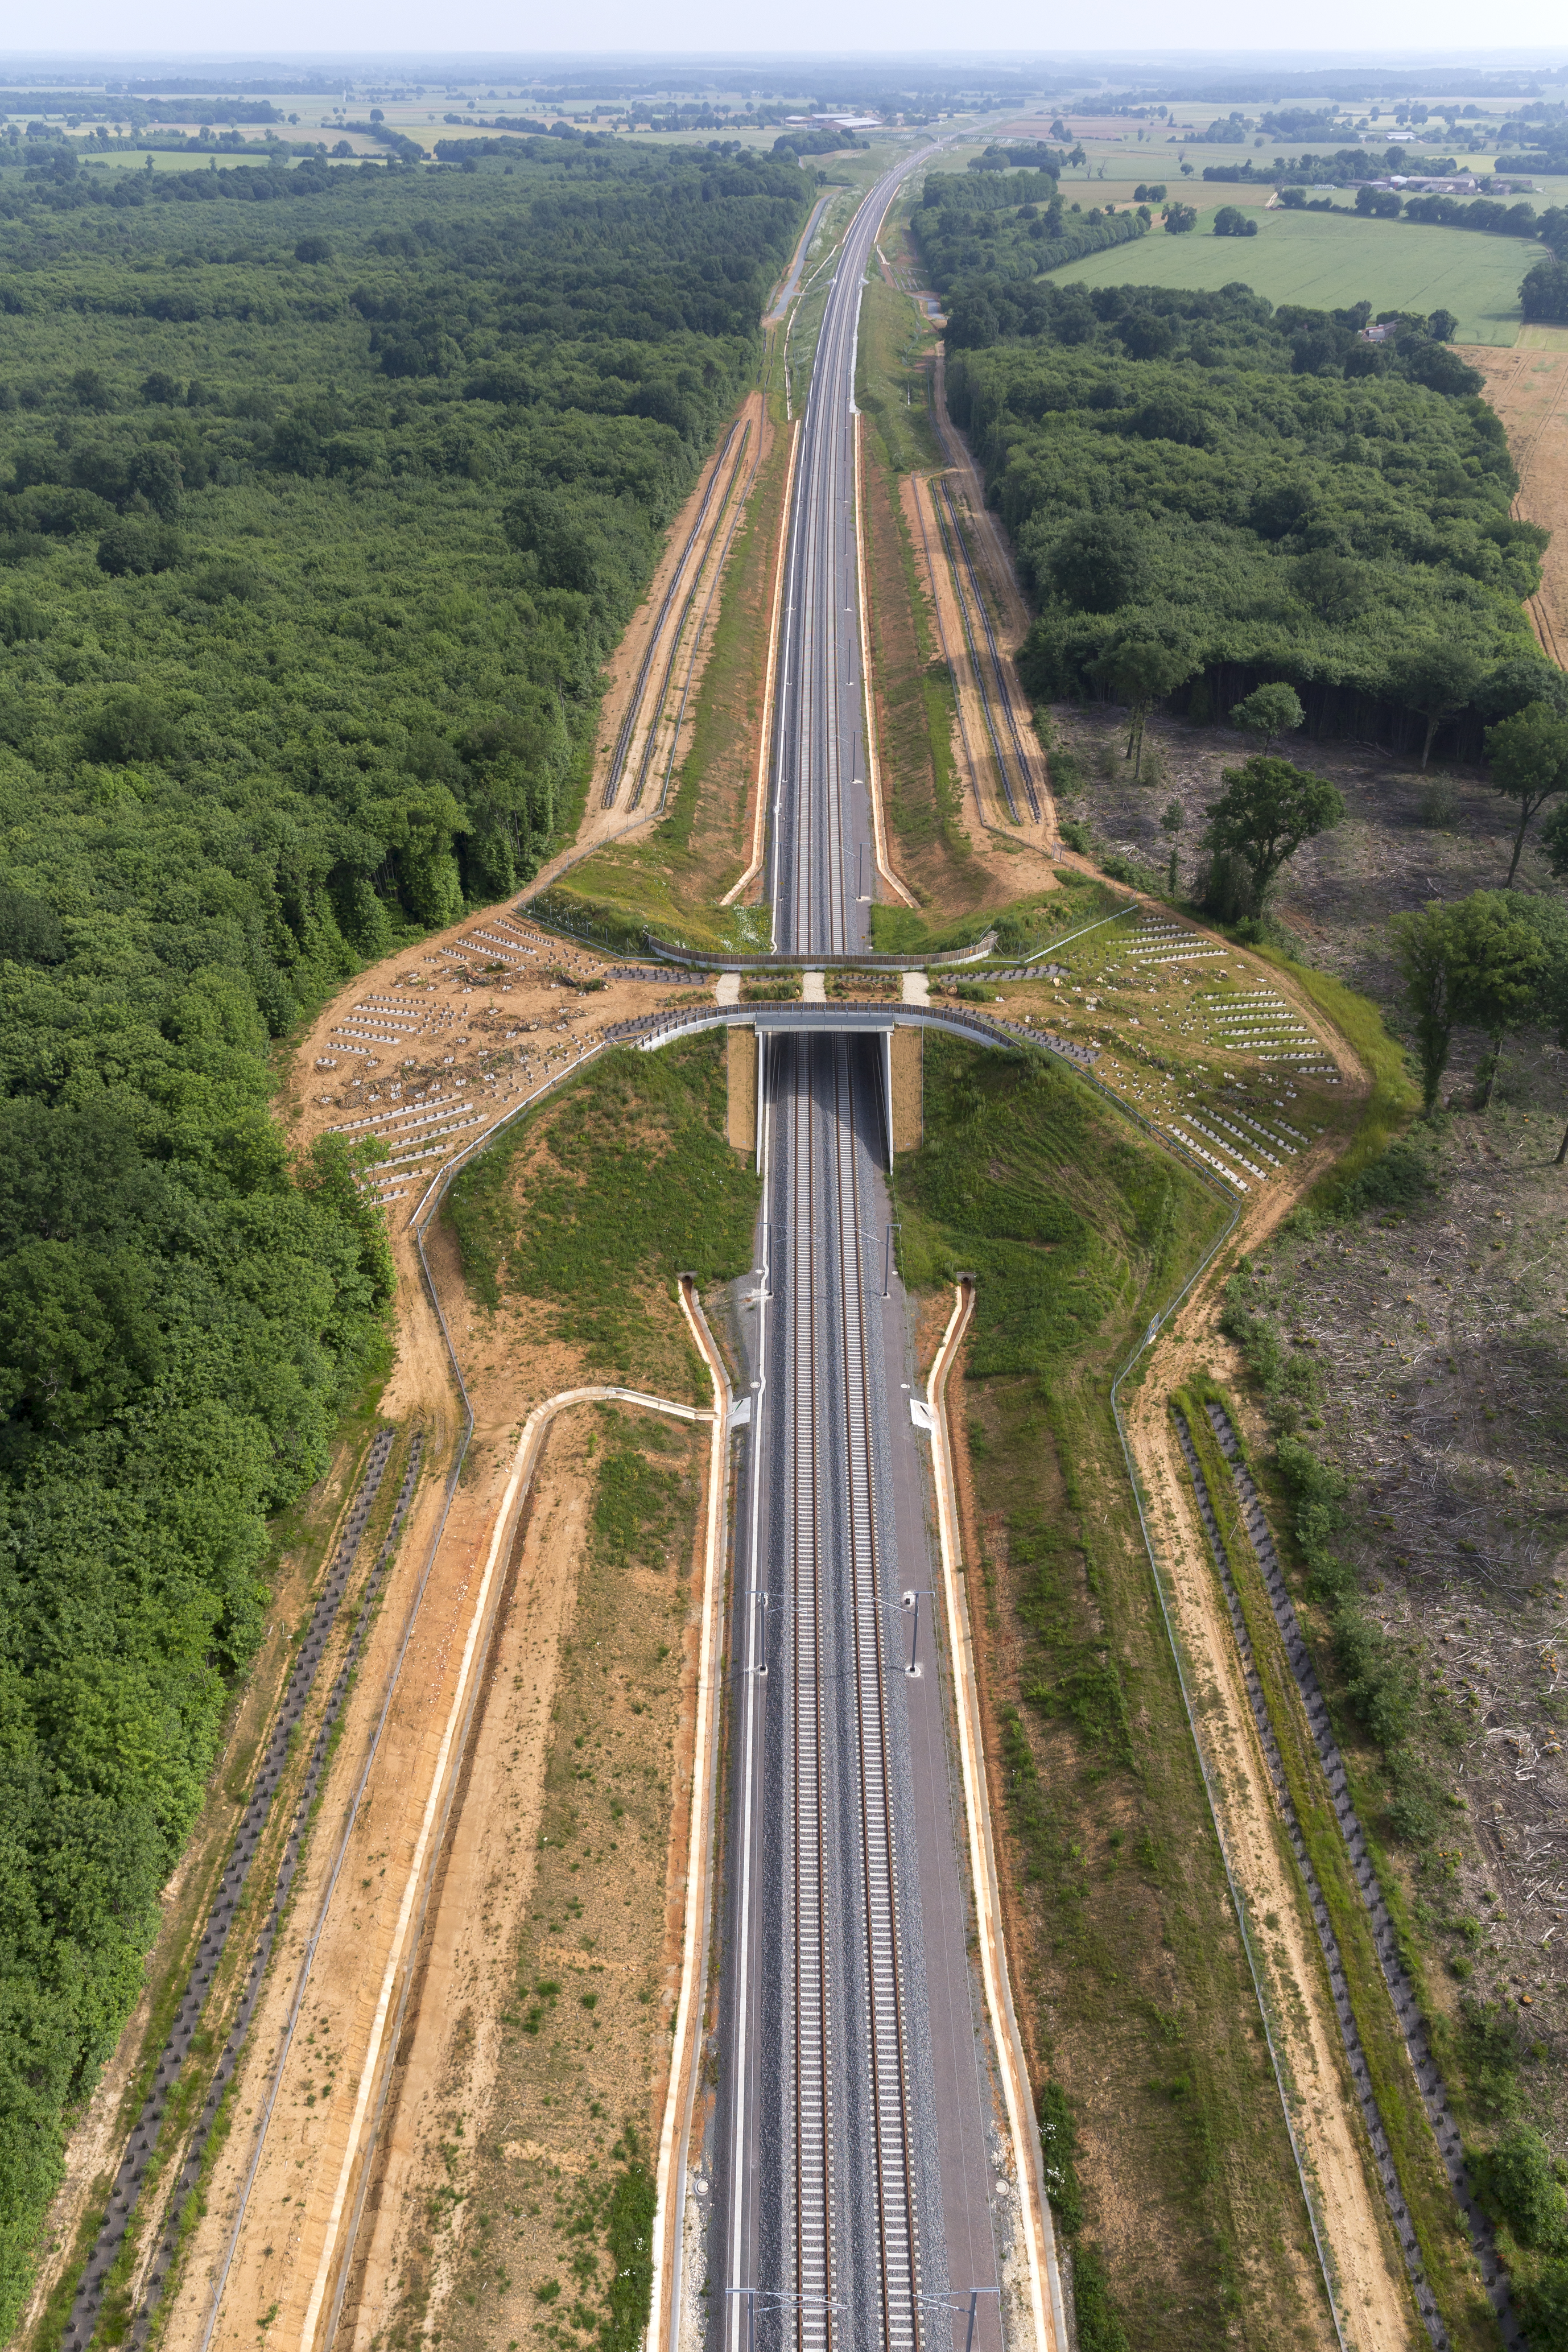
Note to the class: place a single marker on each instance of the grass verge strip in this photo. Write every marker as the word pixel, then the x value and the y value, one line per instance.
pixel 1238 1907
pixel 1385 2000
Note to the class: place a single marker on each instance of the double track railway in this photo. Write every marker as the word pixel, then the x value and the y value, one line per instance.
pixel 836 1569
pixel 842 2188
pixel 986 656
pixel 670 625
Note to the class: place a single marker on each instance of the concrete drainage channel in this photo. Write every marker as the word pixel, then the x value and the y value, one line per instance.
pixel 142 2140
pixel 1428 2080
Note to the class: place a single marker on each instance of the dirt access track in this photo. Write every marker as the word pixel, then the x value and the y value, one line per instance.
pixel 422 1852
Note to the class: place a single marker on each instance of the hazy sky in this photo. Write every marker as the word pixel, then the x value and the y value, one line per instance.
pixel 819 25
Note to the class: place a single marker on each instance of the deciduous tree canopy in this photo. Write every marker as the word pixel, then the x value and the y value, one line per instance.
pixel 1268 808
pixel 1244 485
pixel 318 516
pixel 1467 961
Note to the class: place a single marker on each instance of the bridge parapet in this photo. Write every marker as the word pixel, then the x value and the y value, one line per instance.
pixel 655 1029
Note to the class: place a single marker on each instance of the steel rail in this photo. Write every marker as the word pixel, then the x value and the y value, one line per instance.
pixel 634 708
pixel 813 2086
pixel 677 635
pixel 998 674
pixel 897 2249
pixel 947 529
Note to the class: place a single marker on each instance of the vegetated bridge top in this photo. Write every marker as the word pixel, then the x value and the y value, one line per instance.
pixel 656 1029
pixel 653 1030
pixel 854 960
pixel 671 951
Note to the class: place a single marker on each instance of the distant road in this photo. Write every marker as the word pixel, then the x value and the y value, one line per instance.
pixel 821 848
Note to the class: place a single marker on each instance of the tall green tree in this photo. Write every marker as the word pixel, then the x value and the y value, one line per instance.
pixel 1529 759
pixel 1469 961
pixel 1268 711
pixel 1554 841
pixel 1139 674
pixel 1266 811
pixel 1543 2303
pixel 1547 919
pixel 1436 679
pixel 1173 817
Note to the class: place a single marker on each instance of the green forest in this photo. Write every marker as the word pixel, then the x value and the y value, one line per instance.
pixel 981 230
pixel 1246 492
pixel 322 497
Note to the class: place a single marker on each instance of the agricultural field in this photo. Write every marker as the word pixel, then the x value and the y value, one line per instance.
pixel 1329 261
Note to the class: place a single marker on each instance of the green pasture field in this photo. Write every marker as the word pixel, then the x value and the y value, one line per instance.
pixel 137 158
pixel 1331 261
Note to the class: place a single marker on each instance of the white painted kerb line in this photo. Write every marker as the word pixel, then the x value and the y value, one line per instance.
pixel 668 2218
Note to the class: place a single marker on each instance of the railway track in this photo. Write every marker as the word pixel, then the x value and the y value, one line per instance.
pixel 821 755
pixel 997 696
pixel 737 507
pixel 838 1605
pixel 838 2157
pixel 656 635
pixel 897 2229
pixel 813 2086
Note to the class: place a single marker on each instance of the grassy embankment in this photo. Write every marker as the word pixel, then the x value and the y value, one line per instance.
pixel 627 1182
pixel 1022 925
pixel 1175 2184
pixel 1394 1098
